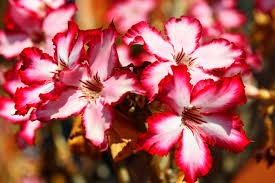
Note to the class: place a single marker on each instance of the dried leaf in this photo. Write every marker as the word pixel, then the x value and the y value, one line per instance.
pixel 122 138
pixel 77 142
pixel 181 177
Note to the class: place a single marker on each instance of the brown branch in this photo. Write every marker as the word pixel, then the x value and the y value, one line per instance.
pixel 259 94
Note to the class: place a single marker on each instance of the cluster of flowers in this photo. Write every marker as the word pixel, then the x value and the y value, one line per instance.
pixel 28 23
pixel 222 19
pixel 33 23
pixel 199 84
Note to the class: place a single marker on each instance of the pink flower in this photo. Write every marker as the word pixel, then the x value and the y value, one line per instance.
pixel 218 15
pixel 12 80
pixel 199 115
pixel 8 111
pixel 265 5
pixel 40 72
pixel 253 60
pixel 91 89
pixel 33 23
pixel 181 47
pixel 28 127
pixel 35 76
pixel 126 13
pixel 217 18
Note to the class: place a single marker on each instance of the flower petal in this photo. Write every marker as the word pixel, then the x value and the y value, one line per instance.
pixel 119 85
pixel 175 90
pixel 123 52
pixel 224 130
pixel 28 97
pixel 217 54
pixel 23 18
pixel 55 3
pixel 235 69
pixel 193 156
pixel 231 18
pixel 198 74
pixel 164 130
pixel 127 13
pixel 202 85
pixel 11 44
pixel 240 39
pixel 28 129
pixel 69 103
pixel 12 81
pixel 183 33
pixel 7 111
pixel 96 120
pixel 74 76
pixel 228 3
pixel 203 12
pixel 57 20
pixel 69 46
pixel 31 6
pixel 254 61
pixel 103 55
pixel 220 96
pixel 152 75
pixel 154 43
pixel 37 66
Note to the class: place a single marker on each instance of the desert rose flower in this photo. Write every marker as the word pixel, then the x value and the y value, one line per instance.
pixel 126 13
pixel 92 89
pixel 253 60
pixel 218 15
pixel 33 23
pixel 8 111
pixel 40 71
pixel 198 115
pixel 219 19
pixel 181 47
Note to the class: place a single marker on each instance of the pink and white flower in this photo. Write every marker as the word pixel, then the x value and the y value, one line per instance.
pixel 218 18
pixel 8 111
pixel 126 13
pixel 199 115
pixel 181 47
pixel 252 60
pixel 91 89
pixel 218 15
pixel 40 72
pixel 28 127
pixel 33 23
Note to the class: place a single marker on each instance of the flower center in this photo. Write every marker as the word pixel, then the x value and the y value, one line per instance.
pixel 183 58
pixel 91 88
pixel 38 37
pixel 191 117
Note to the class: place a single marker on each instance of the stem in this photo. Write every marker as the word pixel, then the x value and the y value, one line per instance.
pixel 259 94
pixel 63 153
